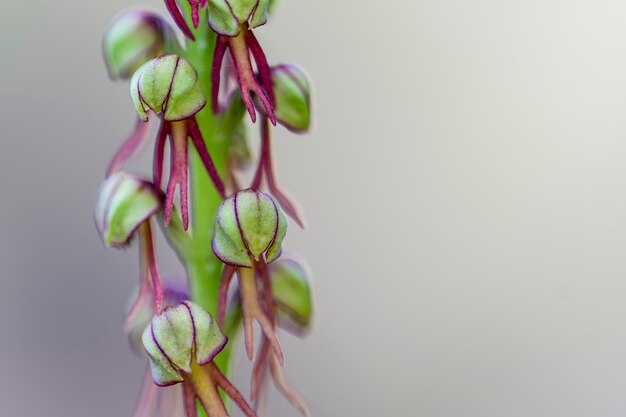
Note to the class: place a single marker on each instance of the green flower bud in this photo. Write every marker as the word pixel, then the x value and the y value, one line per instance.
pixel 134 37
pixel 177 336
pixel 292 97
pixel 167 84
pixel 248 225
pixel 227 16
pixel 291 290
pixel 123 203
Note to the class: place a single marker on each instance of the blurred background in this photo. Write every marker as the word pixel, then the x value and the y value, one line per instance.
pixel 465 188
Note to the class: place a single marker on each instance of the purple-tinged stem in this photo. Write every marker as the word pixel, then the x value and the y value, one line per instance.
pixel 272 183
pixel 263 67
pixel 247 80
pixel 227 276
pixel 145 232
pixel 172 7
pixel 131 145
pixel 189 400
pixel 221 44
pixel 203 152
pixel 178 173
pixel 230 390
pixel 144 284
pixel 159 152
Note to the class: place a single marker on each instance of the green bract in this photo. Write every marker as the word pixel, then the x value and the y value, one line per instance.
pixel 177 336
pixel 167 84
pixel 134 37
pixel 123 203
pixel 292 97
pixel 227 16
pixel 248 225
pixel 291 290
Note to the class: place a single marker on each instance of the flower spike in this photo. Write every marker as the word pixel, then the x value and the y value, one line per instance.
pixel 186 345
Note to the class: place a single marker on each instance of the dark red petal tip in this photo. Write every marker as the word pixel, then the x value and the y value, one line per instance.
pixel 172 7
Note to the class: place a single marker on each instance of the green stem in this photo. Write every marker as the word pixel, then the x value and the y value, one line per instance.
pixel 203 268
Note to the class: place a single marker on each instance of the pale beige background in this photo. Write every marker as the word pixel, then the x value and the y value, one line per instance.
pixel 465 186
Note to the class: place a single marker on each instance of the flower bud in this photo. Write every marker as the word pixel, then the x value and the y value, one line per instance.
pixel 248 225
pixel 134 37
pixel 176 337
pixel 291 291
pixel 167 84
pixel 292 97
pixel 123 203
pixel 226 16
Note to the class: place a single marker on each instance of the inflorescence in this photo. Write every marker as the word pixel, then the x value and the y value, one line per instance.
pixel 183 332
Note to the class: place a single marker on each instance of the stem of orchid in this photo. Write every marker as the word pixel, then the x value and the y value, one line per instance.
pixel 203 268
pixel 203 152
pixel 144 284
pixel 189 399
pixel 270 175
pixel 145 232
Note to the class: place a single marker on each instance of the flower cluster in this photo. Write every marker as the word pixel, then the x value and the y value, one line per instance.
pixel 218 228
